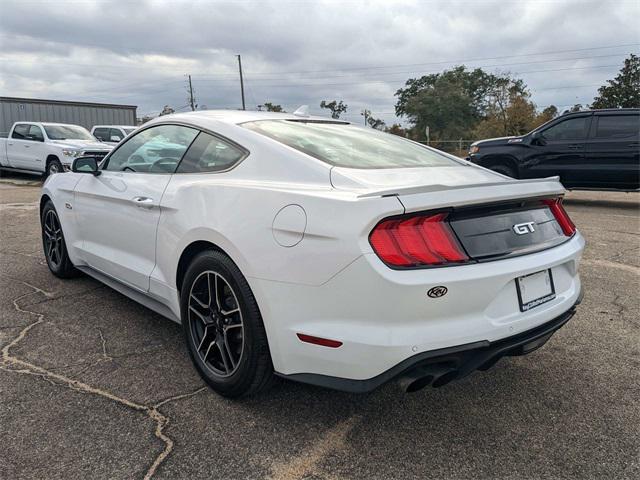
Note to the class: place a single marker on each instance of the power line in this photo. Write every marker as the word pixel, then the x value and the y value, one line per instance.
pixel 253 74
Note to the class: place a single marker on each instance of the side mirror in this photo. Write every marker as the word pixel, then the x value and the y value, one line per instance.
pixel 115 138
pixel 537 138
pixel 86 165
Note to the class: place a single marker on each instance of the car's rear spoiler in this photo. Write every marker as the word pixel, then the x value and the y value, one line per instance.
pixel 416 198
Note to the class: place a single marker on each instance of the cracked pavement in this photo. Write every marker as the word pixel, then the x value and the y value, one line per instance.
pixel 92 384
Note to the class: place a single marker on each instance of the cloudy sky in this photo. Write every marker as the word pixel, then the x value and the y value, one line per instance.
pixel 301 52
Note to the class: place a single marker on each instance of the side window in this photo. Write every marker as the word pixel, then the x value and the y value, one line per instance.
pixel 21 132
pixel 35 134
pixel 101 134
pixel 209 154
pixel 617 126
pixel 570 129
pixel 115 132
pixel 154 150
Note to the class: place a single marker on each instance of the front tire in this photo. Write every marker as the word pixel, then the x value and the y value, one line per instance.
pixel 55 248
pixel 223 327
pixel 54 166
pixel 504 170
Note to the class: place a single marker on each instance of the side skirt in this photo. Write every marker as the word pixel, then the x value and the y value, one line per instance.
pixel 135 295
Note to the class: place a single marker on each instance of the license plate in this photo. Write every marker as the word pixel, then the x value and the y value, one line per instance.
pixel 535 289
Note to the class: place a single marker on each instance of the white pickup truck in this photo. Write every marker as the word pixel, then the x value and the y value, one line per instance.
pixel 112 134
pixel 36 147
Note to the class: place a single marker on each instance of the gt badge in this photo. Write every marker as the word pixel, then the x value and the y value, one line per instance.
pixel 524 228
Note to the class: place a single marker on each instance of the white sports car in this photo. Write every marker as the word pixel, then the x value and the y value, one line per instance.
pixel 317 250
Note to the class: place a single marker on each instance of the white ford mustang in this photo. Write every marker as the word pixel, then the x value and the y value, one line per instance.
pixel 317 250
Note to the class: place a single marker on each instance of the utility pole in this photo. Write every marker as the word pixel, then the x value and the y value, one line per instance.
pixel 241 81
pixel 191 100
pixel 365 112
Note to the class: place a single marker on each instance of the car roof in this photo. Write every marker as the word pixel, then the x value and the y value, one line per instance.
pixel 604 110
pixel 240 116
pixel 51 124
pixel 114 126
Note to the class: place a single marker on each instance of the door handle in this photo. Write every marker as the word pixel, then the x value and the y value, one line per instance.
pixel 575 146
pixel 27 146
pixel 143 202
pixel 634 144
pixel 11 144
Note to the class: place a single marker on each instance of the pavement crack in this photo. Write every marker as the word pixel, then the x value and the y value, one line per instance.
pixel 306 464
pixel 13 364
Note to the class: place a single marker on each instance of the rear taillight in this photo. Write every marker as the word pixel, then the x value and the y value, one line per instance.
pixel 417 241
pixel 561 215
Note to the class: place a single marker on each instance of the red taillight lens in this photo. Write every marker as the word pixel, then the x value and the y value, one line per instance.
pixel 417 241
pixel 562 217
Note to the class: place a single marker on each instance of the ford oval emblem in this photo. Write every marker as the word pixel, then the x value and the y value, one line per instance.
pixel 437 292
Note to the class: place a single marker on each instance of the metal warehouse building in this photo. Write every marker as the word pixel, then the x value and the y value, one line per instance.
pixel 78 113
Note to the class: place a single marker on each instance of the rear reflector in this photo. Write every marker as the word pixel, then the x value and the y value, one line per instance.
pixel 325 342
pixel 562 217
pixel 417 241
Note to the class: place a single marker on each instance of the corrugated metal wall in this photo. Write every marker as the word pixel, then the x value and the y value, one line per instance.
pixel 90 114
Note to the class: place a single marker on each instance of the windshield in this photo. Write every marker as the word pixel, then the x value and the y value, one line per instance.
pixel 67 132
pixel 344 145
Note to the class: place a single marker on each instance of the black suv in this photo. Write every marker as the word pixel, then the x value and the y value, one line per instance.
pixel 597 149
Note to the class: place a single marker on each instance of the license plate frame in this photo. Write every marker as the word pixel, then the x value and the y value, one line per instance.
pixel 525 302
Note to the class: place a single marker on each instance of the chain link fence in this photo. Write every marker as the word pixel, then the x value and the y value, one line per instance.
pixel 459 147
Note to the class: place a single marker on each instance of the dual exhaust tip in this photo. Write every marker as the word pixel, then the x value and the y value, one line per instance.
pixel 423 376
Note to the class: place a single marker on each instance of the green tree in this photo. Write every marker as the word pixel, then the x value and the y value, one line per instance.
pixel 454 102
pixel 272 107
pixel 337 107
pixel 624 90
pixel 397 129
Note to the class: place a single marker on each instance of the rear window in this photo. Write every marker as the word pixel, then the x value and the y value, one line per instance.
pixel 618 126
pixel 344 145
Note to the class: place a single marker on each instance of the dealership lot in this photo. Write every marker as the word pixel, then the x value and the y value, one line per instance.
pixel 92 383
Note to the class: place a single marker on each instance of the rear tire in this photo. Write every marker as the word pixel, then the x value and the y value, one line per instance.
pixel 223 328
pixel 504 170
pixel 55 248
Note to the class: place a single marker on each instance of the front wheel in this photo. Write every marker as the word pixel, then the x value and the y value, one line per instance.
pixel 223 327
pixel 54 166
pixel 504 170
pixel 55 248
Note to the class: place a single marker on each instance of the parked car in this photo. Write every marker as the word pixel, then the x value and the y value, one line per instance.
pixel 596 149
pixel 318 250
pixel 35 147
pixel 112 134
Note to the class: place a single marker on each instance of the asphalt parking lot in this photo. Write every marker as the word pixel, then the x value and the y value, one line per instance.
pixel 94 385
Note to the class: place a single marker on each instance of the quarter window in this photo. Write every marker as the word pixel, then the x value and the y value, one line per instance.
pixel 209 154
pixel 570 129
pixel 618 126
pixel 154 150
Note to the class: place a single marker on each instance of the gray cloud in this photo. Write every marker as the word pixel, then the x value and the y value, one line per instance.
pixel 297 51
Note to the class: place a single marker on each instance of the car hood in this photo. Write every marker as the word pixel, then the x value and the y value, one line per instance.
pixel 499 141
pixel 82 144
pixel 390 179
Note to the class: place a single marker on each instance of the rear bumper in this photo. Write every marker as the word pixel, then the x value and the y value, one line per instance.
pixel 439 367
pixel 384 317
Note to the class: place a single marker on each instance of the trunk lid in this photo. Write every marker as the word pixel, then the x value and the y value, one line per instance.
pixel 492 216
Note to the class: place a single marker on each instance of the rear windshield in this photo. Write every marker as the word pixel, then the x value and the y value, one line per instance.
pixel 345 145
